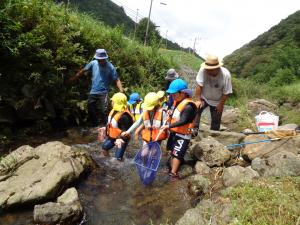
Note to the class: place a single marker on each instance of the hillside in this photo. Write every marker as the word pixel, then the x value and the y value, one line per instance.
pixel 113 15
pixel 42 45
pixel 106 11
pixel 273 56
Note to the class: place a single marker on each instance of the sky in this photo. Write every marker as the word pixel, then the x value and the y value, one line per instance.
pixel 214 26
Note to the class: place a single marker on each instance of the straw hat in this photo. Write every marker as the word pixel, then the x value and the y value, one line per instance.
pixel 211 62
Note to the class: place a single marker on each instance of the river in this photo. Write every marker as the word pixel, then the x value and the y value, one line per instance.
pixel 113 194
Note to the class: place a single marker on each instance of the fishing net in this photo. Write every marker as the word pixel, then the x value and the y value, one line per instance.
pixel 147 161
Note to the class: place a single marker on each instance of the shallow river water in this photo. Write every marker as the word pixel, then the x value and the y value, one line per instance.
pixel 113 194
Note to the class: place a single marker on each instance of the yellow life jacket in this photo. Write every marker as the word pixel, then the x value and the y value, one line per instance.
pixel 136 110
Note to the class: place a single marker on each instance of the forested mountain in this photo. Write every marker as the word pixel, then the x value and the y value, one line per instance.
pixel 273 57
pixel 112 15
pixel 105 10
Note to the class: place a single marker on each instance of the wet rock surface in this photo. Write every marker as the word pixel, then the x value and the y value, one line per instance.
pixel 67 210
pixel 30 175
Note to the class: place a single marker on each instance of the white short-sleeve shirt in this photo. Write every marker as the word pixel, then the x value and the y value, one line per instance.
pixel 214 87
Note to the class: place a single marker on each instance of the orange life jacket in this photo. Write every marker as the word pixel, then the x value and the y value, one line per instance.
pixel 186 128
pixel 113 130
pixel 151 130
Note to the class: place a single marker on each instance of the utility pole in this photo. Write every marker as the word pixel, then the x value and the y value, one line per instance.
pixel 137 12
pixel 147 28
pixel 166 39
pixel 194 45
pixel 194 48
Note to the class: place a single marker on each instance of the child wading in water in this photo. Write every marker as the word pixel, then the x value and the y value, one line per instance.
pixel 182 119
pixel 119 120
pixel 151 121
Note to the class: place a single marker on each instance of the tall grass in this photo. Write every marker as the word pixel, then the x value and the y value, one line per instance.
pixel 183 58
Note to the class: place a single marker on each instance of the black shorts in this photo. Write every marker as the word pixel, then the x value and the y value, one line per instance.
pixel 178 146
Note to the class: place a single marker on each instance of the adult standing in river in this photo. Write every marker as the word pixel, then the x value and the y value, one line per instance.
pixel 170 76
pixel 213 88
pixel 103 74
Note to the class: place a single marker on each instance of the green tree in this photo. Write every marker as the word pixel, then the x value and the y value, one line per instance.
pixel 153 33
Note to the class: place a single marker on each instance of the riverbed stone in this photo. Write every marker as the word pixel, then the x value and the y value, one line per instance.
pixel 207 212
pixel 198 185
pixel 67 210
pixel 31 175
pixel 236 174
pixel 281 164
pixel 224 137
pixel 259 105
pixel 267 149
pixel 210 151
pixel 202 168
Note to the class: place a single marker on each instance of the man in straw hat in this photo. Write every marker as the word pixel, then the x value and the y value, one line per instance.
pixel 103 74
pixel 213 88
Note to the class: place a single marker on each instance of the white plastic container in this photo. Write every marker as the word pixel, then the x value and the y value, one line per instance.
pixel 266 121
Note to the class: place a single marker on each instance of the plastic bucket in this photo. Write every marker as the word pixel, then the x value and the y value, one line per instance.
pixel 266 121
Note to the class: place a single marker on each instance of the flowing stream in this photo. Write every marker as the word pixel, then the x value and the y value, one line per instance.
pixel 113 194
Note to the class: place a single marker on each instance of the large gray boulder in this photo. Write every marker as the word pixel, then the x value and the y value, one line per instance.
pixel 67 210
pixel 281 164
pixel 29 175
pixel 267 149
pixel 259 105
pixel 198 185
pixel 210 151
pixel 237 174
pixel 224 137
pixel 207 212
pixel 230 118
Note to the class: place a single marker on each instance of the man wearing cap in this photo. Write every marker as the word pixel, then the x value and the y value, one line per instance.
pixel 103 74
pixel 213 88
pixel 171 75
pixel 135 105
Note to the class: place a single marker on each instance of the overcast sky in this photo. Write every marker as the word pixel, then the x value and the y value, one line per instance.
pixel 219 26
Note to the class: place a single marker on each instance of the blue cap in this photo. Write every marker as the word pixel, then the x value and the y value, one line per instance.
pixel 176 86
pixel 134 97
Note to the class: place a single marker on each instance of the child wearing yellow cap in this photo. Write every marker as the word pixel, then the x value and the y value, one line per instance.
pixel 151 120
pixel 119 120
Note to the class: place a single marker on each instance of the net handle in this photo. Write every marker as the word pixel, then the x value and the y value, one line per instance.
pixel 160 131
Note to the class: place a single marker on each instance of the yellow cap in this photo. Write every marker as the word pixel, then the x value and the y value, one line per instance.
pixel 160 94
pixel 151 100
pixel 120 101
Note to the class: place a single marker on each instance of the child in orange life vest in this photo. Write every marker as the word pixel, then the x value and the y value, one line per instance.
pixel 119 120
pixel 182 119
pixel 151 120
